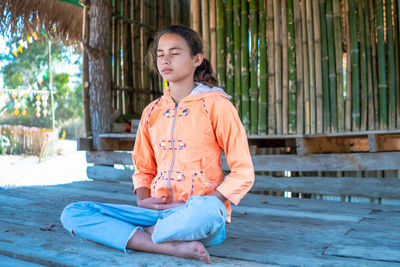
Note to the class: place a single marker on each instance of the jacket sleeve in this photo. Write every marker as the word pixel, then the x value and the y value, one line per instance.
pixel 232 138
pixel 143 156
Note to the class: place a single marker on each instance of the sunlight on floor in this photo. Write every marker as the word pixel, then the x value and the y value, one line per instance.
pixel 69 166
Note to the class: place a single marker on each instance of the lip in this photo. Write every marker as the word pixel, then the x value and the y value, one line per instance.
pixel 166 71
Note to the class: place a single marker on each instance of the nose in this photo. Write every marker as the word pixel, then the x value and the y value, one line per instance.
pixel 165 59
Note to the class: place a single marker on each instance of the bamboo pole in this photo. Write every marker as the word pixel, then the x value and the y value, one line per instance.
pixel 306 66
pixel 285 74
pixel 370 90
pixel 348 110
pixel 363 67
pixel 195 15
pixel 339 63
pixel 262 107
pixel 221 44
pixel 374 63
pixel 299 67
pixel 325 71
pixel 318 67
pixel 237 59
pixel 117 56
pixel 213 34
pixel 245 65
pixel 291 70
pixel 205 26
pixel 382 84
pixel 390 66
pixel 229 50
pixel 253 67
pixel 396 23
pixel 310 40
pixel 126 105
pixel 138 98
pixel 355 76
pixel 331 66
pixel 271 68
pixel 278 66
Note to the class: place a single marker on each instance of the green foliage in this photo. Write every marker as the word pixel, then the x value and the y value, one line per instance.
pixel 15 147
pixel 30 70
pixel 4 144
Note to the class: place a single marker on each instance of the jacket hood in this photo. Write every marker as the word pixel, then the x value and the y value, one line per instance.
pixel 200 91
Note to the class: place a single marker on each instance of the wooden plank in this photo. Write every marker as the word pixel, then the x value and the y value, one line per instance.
pixel 388 142
pixel 319 145
pixel 109 157
pixel 358 187
pixel 325 162
pixel 109 144
pixel 378 253
pixel 85 143
pixel 12 262
pixel 292 214
pixel 107 173
pixel 281 162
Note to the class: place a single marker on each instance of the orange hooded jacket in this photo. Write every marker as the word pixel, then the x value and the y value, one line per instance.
pixel 178 148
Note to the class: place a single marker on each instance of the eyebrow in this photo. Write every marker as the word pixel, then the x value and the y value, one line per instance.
pixel 172 48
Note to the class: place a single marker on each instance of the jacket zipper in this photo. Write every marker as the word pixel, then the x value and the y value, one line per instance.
pixel 173 152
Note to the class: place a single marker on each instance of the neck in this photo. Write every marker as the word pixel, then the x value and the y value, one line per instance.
pixel 179 91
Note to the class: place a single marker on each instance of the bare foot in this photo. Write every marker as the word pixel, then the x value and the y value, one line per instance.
pixel 193 250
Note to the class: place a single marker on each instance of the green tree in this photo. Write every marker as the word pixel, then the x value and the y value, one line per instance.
pixel 30 70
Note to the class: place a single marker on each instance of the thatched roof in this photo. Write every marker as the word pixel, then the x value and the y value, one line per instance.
pixel 59 19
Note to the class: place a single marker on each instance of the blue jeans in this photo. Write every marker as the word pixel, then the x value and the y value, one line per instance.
pixel 201 218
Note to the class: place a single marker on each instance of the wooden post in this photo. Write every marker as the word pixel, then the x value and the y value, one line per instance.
pixel 99 78
pixel 85 71
pixel 271 68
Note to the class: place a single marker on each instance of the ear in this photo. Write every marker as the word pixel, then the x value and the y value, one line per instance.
pixel 198 59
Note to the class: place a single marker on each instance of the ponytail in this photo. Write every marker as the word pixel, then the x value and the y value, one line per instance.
pixel 204 74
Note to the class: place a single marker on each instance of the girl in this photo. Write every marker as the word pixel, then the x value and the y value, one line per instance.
pixel 183 199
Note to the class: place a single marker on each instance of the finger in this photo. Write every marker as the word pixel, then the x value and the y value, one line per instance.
pixel 155 200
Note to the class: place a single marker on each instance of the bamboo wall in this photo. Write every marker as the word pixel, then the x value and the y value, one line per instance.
pixel 292 67
pixel 133 26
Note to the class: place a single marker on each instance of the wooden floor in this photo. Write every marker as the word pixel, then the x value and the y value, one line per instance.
pixel 264 231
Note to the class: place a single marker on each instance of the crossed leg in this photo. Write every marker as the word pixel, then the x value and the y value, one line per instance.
pixel 141 240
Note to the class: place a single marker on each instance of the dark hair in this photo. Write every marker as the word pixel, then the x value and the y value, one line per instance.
pixel 204 72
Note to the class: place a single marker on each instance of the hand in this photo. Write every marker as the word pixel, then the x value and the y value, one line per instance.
pixel 158 203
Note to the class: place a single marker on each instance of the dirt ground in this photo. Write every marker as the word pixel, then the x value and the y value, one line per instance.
pixel 68 166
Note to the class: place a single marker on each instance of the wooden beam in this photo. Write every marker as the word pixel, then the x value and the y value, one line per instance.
pixel 109 157
pixel 359 187
pixel 325 162
pixel 108 173
pixel 331 145
pixel 85 143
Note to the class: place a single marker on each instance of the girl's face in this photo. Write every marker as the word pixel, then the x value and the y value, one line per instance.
pixel 174 60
